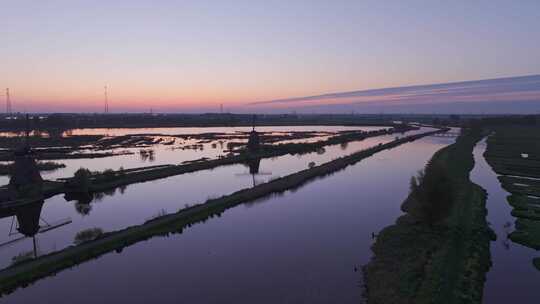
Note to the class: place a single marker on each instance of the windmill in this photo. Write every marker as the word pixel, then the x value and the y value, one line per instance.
pixel 253 166
pixel 27 223
pixel 254 141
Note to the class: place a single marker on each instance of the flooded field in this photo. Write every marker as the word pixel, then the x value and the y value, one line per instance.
pixel 230 130
pixel 181 151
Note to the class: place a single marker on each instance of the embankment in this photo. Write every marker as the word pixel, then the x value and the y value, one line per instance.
pixel 442 262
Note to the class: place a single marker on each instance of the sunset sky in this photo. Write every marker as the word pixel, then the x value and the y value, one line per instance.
pixel 190 56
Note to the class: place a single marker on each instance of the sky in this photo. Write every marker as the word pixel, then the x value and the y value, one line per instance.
pixel 192 56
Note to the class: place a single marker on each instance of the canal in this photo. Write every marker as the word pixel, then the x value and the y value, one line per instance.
pixel 307 245
pixel 512 276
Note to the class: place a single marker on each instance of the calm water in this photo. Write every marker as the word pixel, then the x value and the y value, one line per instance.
pixel 164 154
pixel 178 131
pixel 512 278
pixel 139 202
pixel 301 247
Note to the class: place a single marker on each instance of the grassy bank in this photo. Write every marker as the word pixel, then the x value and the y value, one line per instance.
pixel 27 272
pixel 442 257
pixel 5 169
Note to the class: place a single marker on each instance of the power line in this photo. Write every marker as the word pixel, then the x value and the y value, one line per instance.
pixel 8 103
pixel 106 100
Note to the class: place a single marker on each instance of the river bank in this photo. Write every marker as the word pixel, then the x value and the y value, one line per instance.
pixel 442 262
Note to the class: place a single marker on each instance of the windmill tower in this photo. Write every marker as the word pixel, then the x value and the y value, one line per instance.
pixel 254 141
pixel 8 103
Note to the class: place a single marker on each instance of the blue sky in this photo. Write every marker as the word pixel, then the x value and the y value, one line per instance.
pixel 195 55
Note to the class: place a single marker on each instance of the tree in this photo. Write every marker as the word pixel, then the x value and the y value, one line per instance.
pixel 431 194
pixel 81 180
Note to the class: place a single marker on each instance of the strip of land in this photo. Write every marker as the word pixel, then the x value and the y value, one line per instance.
pixel 6 169
pixel 438 252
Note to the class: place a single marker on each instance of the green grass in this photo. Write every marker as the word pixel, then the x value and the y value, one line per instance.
pixel 527 233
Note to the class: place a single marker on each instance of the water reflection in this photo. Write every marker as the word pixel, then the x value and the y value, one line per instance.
pixel 183 150
pixel 254 165
pixel 84 200
pixel 27 222
pixel 512 275
pixel 87 235
pixel 140 201
pixel 292 239
pixel 195 130
pixel 147 155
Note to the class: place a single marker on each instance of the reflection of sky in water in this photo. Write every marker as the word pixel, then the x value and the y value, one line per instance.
pixel 283 249
pixel 164 154
pixel 141 201
pixel 176 131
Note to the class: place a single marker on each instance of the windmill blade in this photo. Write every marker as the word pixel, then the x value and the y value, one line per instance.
pixel 55 225
pixel 10 242
pixel 43 229
pixel 255 174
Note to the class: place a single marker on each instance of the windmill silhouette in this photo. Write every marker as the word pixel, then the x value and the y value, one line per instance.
pixel 24 198
pixel 254 141
pixel 253 166
pixel 26 223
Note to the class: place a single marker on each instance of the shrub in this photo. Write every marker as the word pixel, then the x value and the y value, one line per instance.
pixel 431 194
pixel 87 235
pixel 81 180
pixel 108 174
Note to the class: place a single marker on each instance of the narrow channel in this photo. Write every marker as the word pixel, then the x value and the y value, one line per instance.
pixel 512 276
